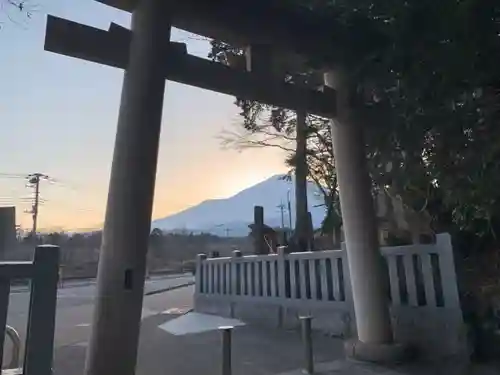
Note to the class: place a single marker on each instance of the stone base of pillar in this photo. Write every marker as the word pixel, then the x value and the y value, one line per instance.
pixel 394 353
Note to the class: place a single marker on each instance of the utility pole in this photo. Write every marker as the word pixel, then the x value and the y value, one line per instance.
pixel 289 205
pixel 219 226
pixel 281 206
pixel 34 182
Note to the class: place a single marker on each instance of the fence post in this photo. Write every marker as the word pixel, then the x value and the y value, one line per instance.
pixel 200 273
pixel 349 318
pixel 236 273
pixel 42 311
pixel 448 272
pixel 281 272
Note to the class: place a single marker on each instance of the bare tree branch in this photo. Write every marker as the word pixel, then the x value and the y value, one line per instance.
pixel 246 140
pixel 12 9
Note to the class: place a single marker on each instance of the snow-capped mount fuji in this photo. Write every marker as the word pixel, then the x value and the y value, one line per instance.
pixel 232 215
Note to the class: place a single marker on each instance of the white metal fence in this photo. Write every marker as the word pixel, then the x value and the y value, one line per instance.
pixel 422 291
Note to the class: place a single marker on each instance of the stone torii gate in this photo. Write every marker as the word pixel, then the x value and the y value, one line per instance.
pixel 149 59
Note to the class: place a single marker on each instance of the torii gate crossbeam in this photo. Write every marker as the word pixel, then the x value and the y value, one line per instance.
pixel 112 48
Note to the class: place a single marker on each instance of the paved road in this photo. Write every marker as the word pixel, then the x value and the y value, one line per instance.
pixel 75 307
pixel 263 351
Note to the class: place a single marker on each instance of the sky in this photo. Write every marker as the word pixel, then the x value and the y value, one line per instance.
pixel 58 116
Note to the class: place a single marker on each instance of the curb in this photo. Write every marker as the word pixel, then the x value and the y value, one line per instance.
pixel 82 283
pixel 158 291
pixel 23 289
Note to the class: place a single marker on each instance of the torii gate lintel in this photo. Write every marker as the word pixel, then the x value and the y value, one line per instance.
pixel 112 48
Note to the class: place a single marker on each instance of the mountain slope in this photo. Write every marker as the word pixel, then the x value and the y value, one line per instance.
pixel 236 212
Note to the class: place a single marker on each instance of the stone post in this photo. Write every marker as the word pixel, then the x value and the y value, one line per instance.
pixel 281 287
pixel 236 275
pixel 260 245
pixel 122 264
pixel 371 305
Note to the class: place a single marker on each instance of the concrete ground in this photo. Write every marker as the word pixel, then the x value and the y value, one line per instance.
pixel 255 351
pixel 75 304
pixel 346 367
pixel 173 342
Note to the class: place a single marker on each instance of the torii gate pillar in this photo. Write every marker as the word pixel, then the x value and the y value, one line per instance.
pixel 122 263
pixel 368 279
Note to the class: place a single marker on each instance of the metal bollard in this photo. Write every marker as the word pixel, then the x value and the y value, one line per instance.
pixel 226 349
pixel 13 335
pixel 307 340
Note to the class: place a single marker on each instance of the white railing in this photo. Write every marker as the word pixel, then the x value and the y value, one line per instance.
pixel 419 275
pixel 288 279
pixel 423 275
pixel 422 289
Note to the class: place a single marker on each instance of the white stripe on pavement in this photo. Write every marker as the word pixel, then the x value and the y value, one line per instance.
pixel 194 322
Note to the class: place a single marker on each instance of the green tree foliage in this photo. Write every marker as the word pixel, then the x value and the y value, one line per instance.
pixel 427 94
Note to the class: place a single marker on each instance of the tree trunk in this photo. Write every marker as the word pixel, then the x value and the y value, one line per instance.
pixel 301 211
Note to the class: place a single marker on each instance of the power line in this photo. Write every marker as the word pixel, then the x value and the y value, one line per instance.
pixel 64 184
pixel 36 200
pixel 12 175
pixel 14 196
pixel 68 207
